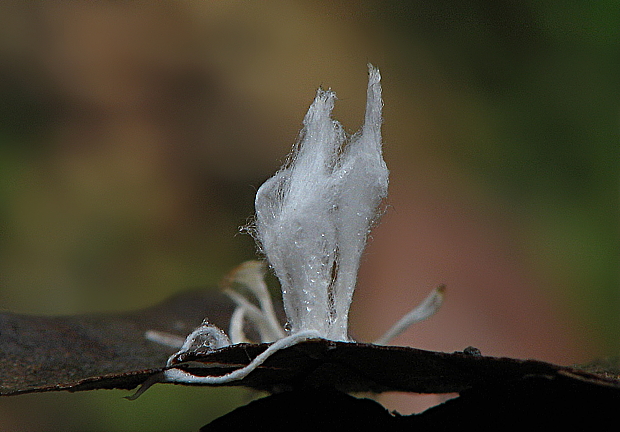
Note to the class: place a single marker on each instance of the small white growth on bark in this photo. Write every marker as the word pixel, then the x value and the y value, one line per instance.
pixel 312 221
pixel 313 217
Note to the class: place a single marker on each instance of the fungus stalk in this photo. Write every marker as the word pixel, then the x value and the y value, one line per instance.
pixel 314 215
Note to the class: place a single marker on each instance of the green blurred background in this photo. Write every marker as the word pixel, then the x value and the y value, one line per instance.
pixel 133 136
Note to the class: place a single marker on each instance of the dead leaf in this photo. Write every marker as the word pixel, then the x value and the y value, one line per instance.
pixel 87 352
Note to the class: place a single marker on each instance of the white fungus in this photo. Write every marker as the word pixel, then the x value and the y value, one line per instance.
pixel 314 215
pixel 312 221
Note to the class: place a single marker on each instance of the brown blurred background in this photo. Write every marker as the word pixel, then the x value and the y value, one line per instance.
pixel 133 136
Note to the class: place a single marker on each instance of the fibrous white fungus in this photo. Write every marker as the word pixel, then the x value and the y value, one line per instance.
pixel 314 215
pixel 312 221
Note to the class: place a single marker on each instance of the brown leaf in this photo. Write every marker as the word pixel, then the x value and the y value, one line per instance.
pixel 358 367
pixel 110 351
pixel 39 353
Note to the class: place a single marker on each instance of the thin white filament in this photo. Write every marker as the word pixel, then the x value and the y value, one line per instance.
pixel 165 338
pixel 181 376
pixel 428 307
pixel 235 330
pixel 267 329
pixel 250 274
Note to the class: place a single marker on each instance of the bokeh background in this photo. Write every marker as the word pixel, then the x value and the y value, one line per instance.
pixel 133 136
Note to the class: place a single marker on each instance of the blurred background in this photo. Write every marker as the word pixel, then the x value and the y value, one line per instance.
pixel 133 136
